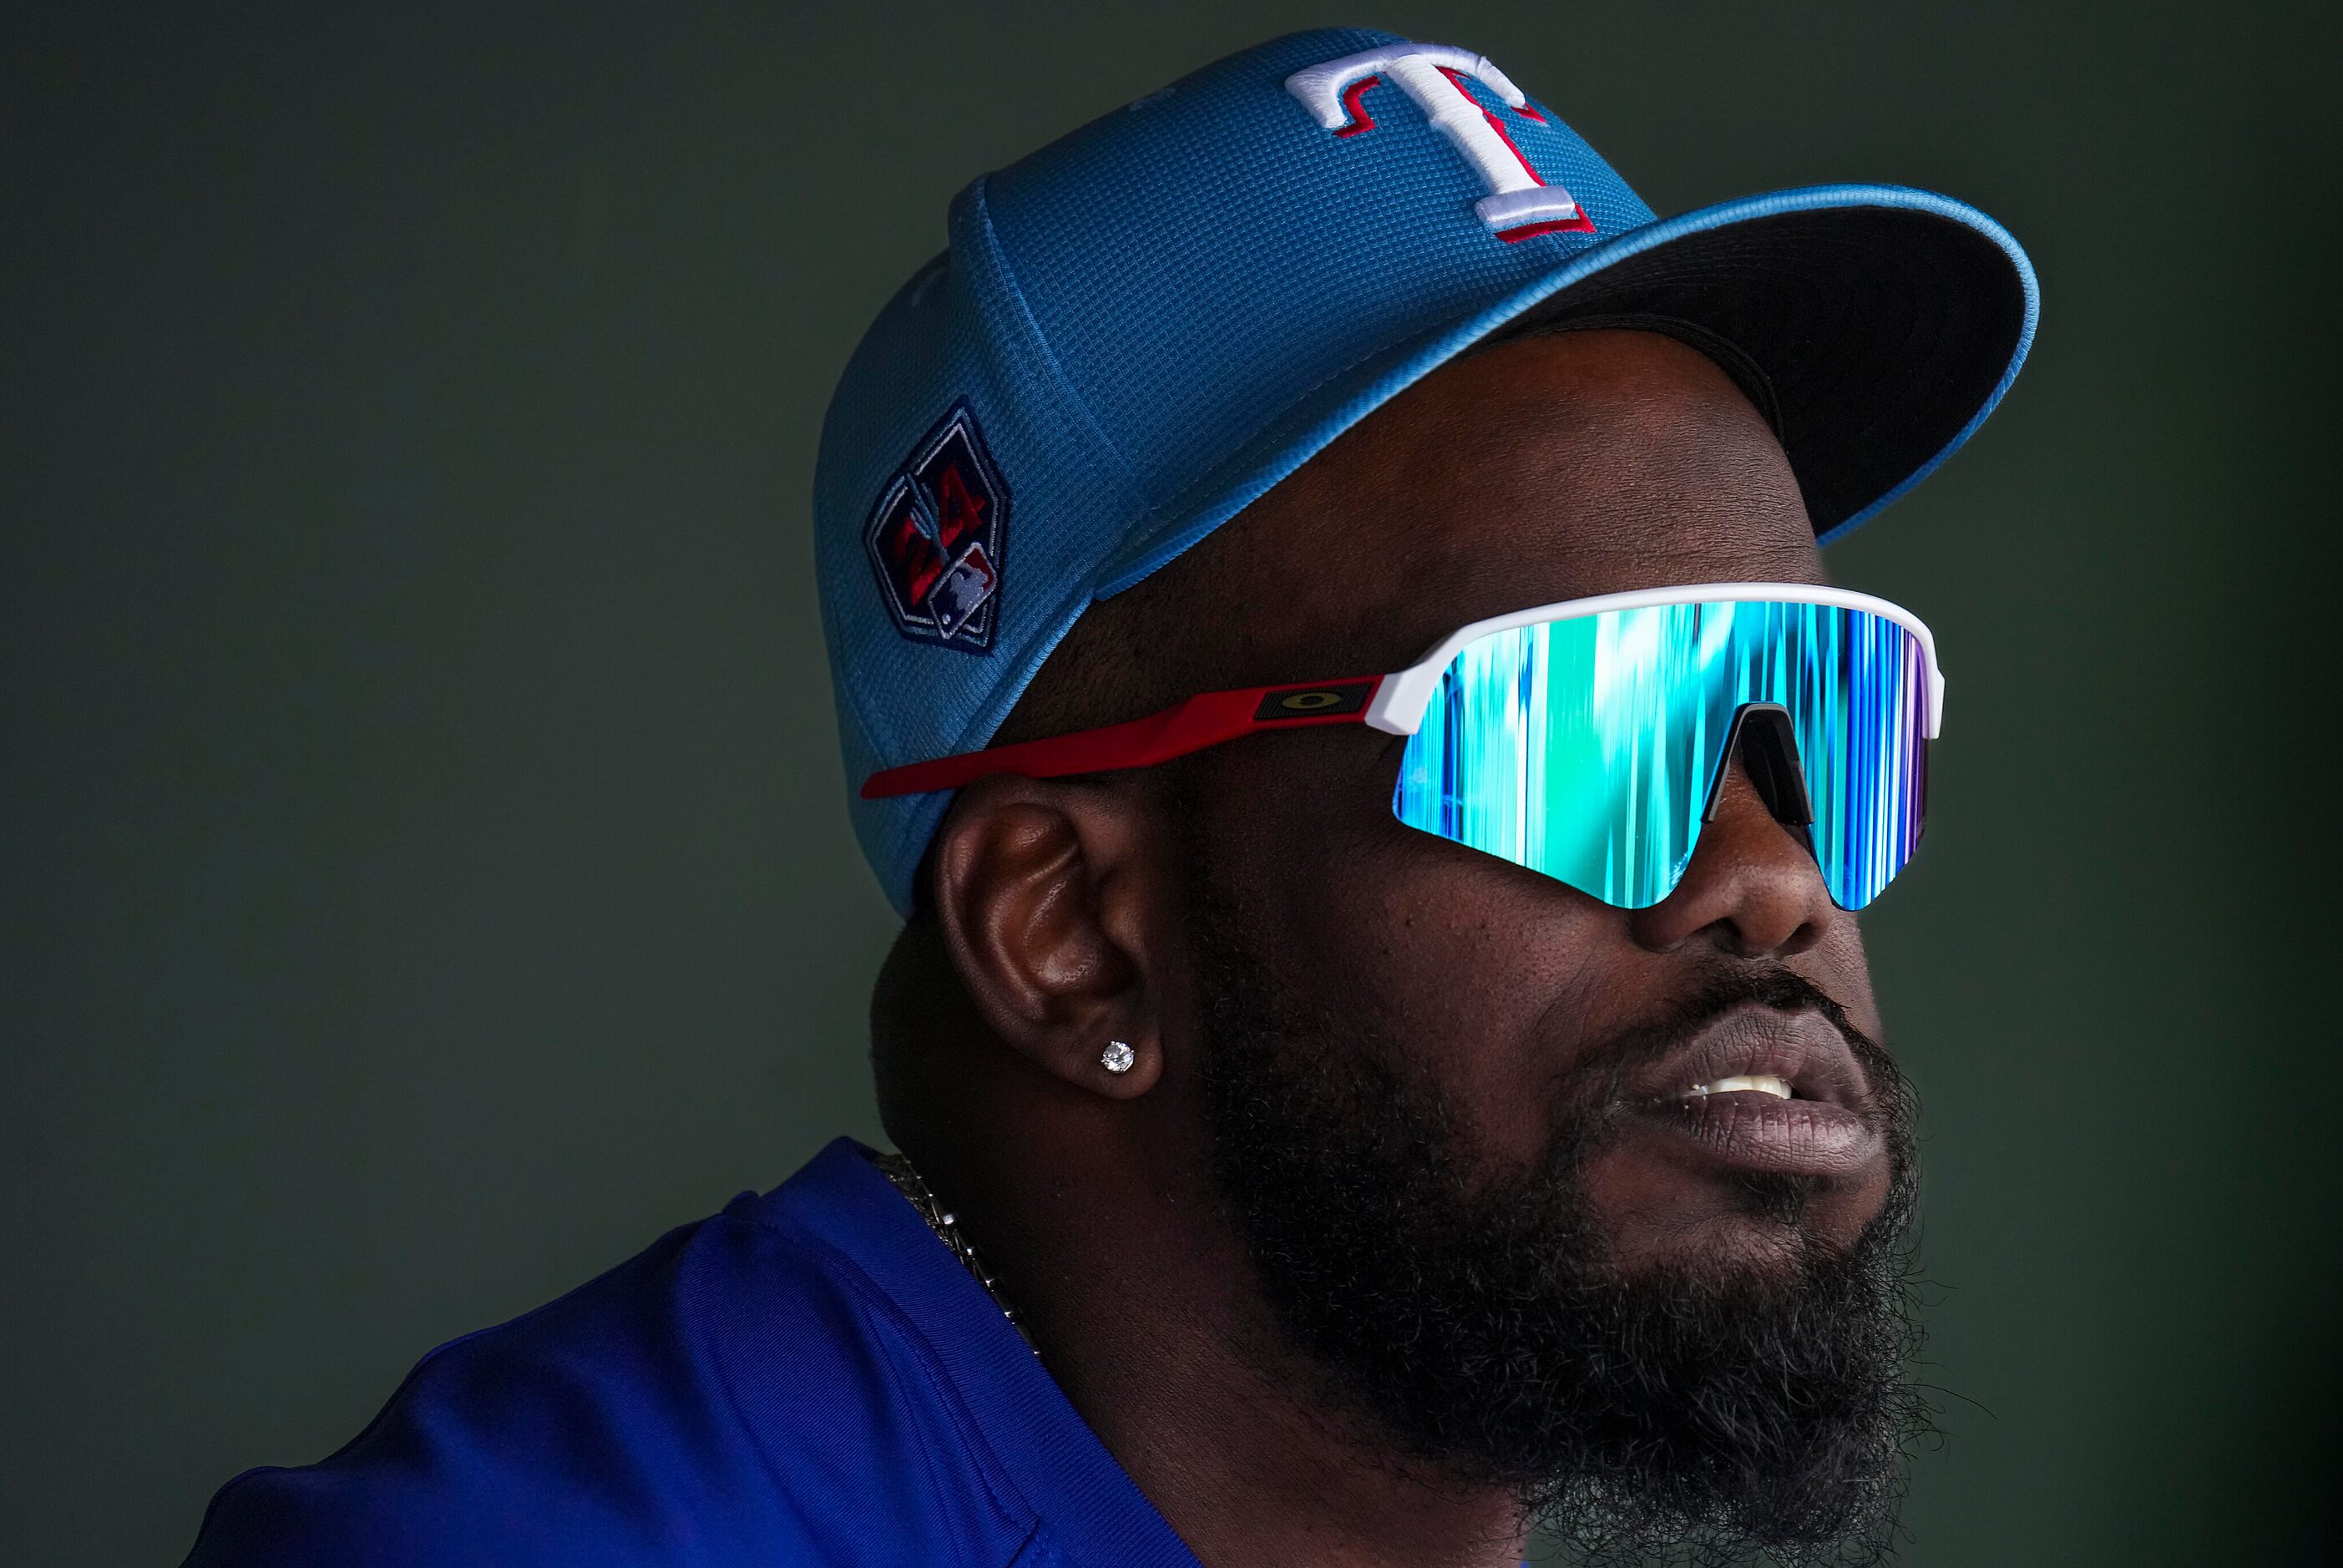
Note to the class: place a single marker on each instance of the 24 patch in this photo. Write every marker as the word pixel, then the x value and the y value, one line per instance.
pixel 935 537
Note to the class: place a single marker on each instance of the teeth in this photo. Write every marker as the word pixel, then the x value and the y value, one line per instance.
pixel 1761 1082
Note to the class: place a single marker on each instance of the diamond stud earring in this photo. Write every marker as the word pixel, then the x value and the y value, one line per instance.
pixel 1117 1057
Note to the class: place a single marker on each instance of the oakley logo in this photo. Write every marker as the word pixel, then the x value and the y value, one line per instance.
pixel 1520 203
pixel 1314 701
pixel 935 537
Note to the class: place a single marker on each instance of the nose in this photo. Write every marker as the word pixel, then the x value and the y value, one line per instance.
pixel 1753 888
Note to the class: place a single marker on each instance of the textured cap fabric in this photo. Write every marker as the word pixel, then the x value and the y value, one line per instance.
pixel 1139 328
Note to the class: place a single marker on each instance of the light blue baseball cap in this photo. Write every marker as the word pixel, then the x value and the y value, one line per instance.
pixel 1143 327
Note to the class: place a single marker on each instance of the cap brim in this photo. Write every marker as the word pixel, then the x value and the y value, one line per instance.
pixel 1876 337
pixel 1876 325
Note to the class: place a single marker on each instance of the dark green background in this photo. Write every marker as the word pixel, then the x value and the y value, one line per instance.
pixel 426 873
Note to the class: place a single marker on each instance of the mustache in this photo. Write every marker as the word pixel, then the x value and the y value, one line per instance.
pixel 1602 1079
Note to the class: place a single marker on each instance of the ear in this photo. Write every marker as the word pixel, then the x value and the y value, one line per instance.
pixel 1048 898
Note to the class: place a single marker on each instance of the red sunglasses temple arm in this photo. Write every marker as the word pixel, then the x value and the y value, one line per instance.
pixel 1206 719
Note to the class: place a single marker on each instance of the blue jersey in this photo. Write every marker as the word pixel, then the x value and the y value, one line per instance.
pixel 808 1377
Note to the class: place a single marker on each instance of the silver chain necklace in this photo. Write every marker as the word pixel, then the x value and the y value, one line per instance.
pixel 899 1170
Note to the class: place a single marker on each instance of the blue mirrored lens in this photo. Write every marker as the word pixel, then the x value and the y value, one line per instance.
pixel 1587 748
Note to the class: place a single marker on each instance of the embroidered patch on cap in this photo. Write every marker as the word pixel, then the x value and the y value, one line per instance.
pixel 935 537
pixel 1521 204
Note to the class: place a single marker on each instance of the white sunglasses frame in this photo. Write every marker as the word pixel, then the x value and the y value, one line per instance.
pixel 1398 703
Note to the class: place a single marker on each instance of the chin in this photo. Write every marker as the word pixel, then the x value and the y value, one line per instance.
pixel 1759 1239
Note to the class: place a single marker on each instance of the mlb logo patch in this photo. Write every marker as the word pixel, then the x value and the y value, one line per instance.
pixel 935 537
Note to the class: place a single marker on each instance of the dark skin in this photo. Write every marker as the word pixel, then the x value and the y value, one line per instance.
pixel 1547 469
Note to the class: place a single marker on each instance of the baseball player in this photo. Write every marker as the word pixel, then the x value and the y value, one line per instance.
pixel 1336 671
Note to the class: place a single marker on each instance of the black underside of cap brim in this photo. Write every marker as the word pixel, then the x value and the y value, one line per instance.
pixel 1868 337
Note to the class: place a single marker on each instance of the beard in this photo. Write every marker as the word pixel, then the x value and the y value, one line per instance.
pixel 1472 1317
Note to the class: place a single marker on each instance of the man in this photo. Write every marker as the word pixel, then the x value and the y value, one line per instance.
pixel 1355 1104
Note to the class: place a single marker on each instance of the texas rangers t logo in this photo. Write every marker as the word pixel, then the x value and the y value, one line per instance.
pixel 934 538
pixel 1520 203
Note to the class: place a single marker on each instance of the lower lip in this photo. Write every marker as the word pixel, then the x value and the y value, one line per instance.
pixel 1751 1131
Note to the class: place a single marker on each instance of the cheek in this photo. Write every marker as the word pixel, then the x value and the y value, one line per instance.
pixel 1482 976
